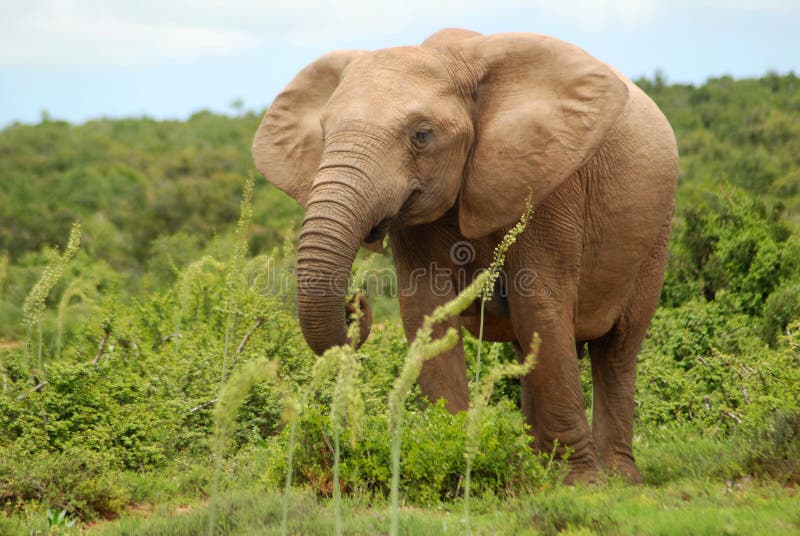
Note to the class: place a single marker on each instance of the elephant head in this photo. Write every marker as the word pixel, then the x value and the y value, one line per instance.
pixel 397 137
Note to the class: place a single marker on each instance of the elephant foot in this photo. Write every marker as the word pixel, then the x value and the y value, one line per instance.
pixel 584 472
pixel 626 468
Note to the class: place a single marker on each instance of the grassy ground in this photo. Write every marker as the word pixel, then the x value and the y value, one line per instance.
pixel 681 507
pixel 690 490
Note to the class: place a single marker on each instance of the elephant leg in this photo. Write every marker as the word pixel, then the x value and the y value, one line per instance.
pixel 422 288
pixel 444 376
pixel 613 360
pixel 613 378
pixel 552 396
pixel 526 402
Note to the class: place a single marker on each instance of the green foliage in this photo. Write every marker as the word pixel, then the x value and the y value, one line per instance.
pixel 152 195
pixel 775 453
pixel 742 132
pixel 432 453
pixel 730 244
pixel 714 371
pixel 478 403
pixel 133 334
pixel 781 307
pixel 76 480
pixel 59 520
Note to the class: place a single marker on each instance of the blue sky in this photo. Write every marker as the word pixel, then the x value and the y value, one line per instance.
pixel 83 59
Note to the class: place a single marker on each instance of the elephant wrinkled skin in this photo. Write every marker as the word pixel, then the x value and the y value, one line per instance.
pixel 439 146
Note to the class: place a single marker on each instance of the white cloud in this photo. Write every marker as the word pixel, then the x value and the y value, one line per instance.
pixel 598 15
pixel 91 32
pixel 122 32
pixel 75 33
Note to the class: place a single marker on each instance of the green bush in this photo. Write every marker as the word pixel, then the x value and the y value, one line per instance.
pixel 432 456
pixel 775 451
pixel 714 371
pixel 780 309
pixel 78 480
pixel 730 244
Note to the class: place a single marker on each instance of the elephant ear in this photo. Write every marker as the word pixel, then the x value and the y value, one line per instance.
pixel 543 107
pixel 287 147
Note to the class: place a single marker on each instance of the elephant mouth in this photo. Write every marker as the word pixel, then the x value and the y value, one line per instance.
pixel 377 233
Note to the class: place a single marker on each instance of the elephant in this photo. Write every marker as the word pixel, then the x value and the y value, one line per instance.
pixel 440 146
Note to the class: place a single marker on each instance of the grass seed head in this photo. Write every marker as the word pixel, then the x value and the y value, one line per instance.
pixel 234 392
pixel 34 305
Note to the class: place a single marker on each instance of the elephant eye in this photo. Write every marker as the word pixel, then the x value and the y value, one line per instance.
pixel 421 137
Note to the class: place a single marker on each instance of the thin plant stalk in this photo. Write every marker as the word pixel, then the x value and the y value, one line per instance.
pixel 231 398
pixel 467 486
pixel 347 406
pixel 235 270
pixel 34 305
pixel 480 346
pixel 287 488
pixel 420 350
pixel 475 414
pixel 395 485
pixel 225 345
pixel 39 349
pixel 468 469
pixel 28 344
pixel 212 508
pixel 483 392
pixel 337 490
pixel 74 290
pixel 498 260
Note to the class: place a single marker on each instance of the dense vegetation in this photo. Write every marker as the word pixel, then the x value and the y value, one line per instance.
pixel 110 377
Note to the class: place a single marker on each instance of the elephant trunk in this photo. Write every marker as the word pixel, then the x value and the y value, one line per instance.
pixel 338 218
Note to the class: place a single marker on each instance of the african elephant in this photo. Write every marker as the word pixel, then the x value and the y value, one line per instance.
pixel 439 146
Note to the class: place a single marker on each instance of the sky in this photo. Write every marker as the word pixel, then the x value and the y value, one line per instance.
pixel 84 59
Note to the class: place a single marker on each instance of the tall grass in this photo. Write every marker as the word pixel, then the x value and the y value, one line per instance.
pixel 483 391
pixel 34 305
pixel 498 260
pixel 424 348
pixel 234 275
pixel 347 405
pixel 3 272
pixel 76 289
pixel 185 283
pixel 231 398
pixel 291 415
pixel 347 410
pixel 479 403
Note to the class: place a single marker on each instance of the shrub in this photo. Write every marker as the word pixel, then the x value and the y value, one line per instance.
pixel 77 480
pixel 731 244
pixel 775 451
pixel 714 371
pixel 432 453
